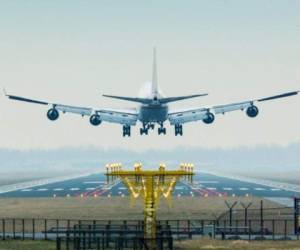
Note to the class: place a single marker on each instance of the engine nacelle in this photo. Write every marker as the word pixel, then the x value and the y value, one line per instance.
pixel 252 111
pixel 209 118
pixel 95 120
pixel 52 114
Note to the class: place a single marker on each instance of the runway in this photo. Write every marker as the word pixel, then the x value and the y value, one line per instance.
pixel 204 185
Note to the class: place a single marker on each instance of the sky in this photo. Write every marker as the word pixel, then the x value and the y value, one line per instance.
pixel 72 52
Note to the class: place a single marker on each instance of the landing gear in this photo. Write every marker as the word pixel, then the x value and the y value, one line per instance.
pixel 126 131
pixel 162 130
pixel 151 126
pixel 178 130
pixel 143 131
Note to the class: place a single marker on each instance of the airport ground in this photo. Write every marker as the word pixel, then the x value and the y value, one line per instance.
pixel 120 208
pixel 178 245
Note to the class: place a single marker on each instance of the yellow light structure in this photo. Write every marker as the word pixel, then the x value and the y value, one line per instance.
pixel 150 185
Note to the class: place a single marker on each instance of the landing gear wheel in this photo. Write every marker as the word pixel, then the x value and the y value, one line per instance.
pixel 143 131
pixel 162 131
pixel 126 131
pixel 178 130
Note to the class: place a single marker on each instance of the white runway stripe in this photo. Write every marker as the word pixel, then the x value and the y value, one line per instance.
pixel 94 182
pixel 58 189
pixel 74 189
pixel 259 189
pixel 90 188
pixel 228 189
pixel 208 182
pixel 42 189
pixel 122 188
pixel 275 189
pixel 243 189
pixel 26 190
pixel 211 188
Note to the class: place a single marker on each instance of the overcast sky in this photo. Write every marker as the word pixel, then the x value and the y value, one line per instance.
pixel 72 52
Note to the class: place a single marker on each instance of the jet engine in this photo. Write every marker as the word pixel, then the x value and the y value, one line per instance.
pixel 209 118
pixel 95 120
pixel 53 114
pixel 252 111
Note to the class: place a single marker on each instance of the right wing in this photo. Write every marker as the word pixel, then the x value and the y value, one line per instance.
pixel 125 117
pixel 207 114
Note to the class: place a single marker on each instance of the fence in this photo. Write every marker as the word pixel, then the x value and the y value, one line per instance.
pixel 223 228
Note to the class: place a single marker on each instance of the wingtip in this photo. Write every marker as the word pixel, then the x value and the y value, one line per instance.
pixel 4 91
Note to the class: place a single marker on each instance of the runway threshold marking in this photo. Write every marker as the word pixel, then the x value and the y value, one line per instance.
pixel 99 191
pixel 203 191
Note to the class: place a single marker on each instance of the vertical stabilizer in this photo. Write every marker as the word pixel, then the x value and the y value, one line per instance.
pixel 154 87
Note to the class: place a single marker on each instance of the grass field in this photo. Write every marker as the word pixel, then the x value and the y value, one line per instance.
pixel 118 208
pixel 183 245
pixel 236 245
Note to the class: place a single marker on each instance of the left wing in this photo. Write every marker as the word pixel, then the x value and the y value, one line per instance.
pixel 125 117
pixel 207 114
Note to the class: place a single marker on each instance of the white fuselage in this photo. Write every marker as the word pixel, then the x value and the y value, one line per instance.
pixel 154 112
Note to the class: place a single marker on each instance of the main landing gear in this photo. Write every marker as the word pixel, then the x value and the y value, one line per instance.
pixel 126 131
pixel 178 130
pixel 162 130
pixel 146 127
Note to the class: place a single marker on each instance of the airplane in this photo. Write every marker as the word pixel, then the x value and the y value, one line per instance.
pixel 153 109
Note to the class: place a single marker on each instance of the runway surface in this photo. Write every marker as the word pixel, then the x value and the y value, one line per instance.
pixel 204 185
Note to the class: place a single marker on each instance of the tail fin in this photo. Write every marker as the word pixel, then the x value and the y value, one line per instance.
pixel 154 87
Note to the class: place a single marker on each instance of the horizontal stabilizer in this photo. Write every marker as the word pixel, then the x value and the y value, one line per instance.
pixel 179 98
pixel 131 99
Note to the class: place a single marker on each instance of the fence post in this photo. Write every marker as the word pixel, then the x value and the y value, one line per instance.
pixel 3 229
pixel 230 206
pixel 33 229
pixel 58 244
pixel 250 230
pixel 45 228
pixel 57 227
pixel 285 229
pixel 14 228
pixel 262 218
pixel 189 229
pixel 23 229
pixel 246 206
pixel 273 229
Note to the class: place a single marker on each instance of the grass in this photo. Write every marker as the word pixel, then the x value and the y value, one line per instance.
pixel 178 245
pixel 27 245
pixel 118 208
pixel 236 245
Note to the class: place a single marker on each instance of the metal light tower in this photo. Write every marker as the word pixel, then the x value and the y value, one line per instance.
pixel 150 185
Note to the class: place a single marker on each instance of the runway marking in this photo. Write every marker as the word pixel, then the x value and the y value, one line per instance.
pixel 211 188
pixel 122 188
pixel 275 189
pixel 227 189
pixel 259 189
pixel 26 190
pixel 90 188
pixel 243 189
pixel 179 188
pixel 42 189
pixel 58 189
pixel 208 182
pixel 94 182
pixel 74 189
